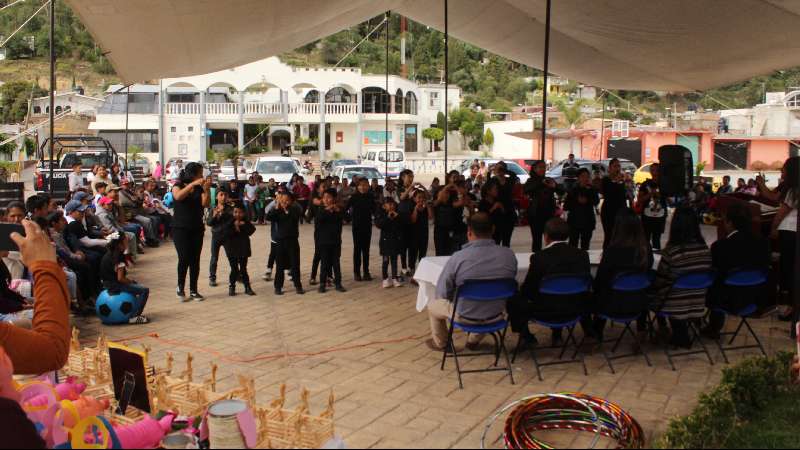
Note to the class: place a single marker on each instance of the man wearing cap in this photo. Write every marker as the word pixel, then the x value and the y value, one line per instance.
pixel 132 208
pixel 77 235
pixel 135 228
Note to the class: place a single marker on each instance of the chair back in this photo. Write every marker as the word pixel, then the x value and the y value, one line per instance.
pixel 487 290
pixel 629 295
pixel 743 289
pixel 746 278
pixel 564 297
pixel 698 280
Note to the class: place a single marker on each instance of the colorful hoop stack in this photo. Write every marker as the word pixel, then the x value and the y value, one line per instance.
pixel 567 411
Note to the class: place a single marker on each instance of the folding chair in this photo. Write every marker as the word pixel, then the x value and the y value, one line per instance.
pixel 741 284
pixel 481 291
pixel 690 281
pixel 564 301
pixel 629 300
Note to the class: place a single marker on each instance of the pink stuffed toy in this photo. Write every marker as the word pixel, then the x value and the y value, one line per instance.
pixel 85 407
pixel 69 390
pixel 144 434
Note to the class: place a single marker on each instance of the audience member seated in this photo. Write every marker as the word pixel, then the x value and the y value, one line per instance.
pixel 109 223
pixel 628 251
pixel 45 347
pixel 88 282
pixel 119 214
pixel 113 270
pixel 556 258
pixel 154 207
pixel 480 259
pixel 133 211
pixel 14 308
pixel 685 252
pixel 13 260
pixel 78 237
pixel 741 249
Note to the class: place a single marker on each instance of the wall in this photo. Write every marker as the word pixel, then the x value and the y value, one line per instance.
pixel 654 141
pixel 767 151
pixel 507 146
pixel 182 135
pixel 348 148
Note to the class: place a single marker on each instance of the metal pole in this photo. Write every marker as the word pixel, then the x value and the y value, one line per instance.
pixel 388 98
pixel 603 129
pixel 546 78
pixel 127 106
pixel 52 88
pixel 446 83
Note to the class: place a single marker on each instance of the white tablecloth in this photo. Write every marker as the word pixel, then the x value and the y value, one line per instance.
pixel 430 269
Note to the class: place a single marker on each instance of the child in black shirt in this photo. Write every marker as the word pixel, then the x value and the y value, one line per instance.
pixel 416 214
pixel 286 216
pixel 217 218
pixel 238 230
pixel 329 218
pixel 362 207
pixel 389 222
pixel 114 273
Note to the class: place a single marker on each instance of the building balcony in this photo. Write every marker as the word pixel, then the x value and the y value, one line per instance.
pixel 270 112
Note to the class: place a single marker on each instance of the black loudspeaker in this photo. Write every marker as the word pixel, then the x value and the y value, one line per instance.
pixel 677 170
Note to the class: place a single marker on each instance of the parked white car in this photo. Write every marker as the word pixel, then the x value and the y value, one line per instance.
pixel 349 172
pixel 279 168
pixel 377 158
pixel 227 171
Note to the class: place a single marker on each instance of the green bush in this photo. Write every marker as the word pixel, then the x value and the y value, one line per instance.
pixel 745 395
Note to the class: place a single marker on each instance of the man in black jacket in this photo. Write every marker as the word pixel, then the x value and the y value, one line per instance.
pixel 286 216
pixel 556 258
pixel 329 219
pixel 741 249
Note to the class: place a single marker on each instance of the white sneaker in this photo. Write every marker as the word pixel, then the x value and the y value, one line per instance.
pixel 398 283
pixel 387 284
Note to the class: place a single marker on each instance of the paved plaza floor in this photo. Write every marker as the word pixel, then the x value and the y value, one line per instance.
pixel 368 346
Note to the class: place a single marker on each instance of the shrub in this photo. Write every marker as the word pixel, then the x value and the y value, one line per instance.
pixel 759 166
pixel 777 165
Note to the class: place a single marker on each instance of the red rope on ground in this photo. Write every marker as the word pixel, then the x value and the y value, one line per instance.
pixel 269 356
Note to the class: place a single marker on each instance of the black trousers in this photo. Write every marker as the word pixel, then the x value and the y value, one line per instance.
pixel 608 219
pixel 442 241
pixel 331 256
pixel 581 239
pixel 216 245
pixel 787 242
pixel 503 233
pixel 537 234
pixel 362 240
pixel 288 258
pixel 273 253
pixel 390 261
pixel 88 283
pixel 316 262
pixel 238 269
pixel 417 250
pixel 189 245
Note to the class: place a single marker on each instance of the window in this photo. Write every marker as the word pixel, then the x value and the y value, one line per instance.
pixel 37 109
pixel 338 95
pixel 181 98
pixel 375 100
pixel 312 97
pixel 399 100
pixel 411 103
pixel 190 129
pixel 145 139
pixel 173 129
pixel 434 100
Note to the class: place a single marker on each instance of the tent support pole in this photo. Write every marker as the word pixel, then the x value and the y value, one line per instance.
pixel 127 106
pixel 52 88
pixel 546 79
pixel 388 97
pixel 446 82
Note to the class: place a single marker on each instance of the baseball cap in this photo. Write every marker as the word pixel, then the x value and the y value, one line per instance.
pixel 112 187
pixel 74 205
pixel 80 196
pixel 104 201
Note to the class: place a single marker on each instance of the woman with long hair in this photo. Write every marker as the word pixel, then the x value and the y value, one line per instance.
pixel 191 194
pixel 686 251
pixel 784 230
pixel 628 251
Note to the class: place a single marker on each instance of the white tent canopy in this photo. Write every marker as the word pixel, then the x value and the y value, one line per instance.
pixel 665 45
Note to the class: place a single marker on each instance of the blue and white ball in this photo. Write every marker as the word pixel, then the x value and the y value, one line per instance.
pixel 116 309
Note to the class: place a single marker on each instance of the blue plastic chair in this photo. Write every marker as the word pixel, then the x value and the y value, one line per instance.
pixel 567 296
pixel 742 279
pixel 629 301
pixel 481 291
pixel 701 280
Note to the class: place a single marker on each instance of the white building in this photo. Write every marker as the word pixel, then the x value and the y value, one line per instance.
pixel 183 117
pixel 778 118
pixel 68 102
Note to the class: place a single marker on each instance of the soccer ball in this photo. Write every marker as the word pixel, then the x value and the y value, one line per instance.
pixel 116 309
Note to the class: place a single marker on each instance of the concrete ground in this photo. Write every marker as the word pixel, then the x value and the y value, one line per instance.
pixel 368 347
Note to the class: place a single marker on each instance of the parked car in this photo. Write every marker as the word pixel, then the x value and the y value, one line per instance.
pixel 329 167
pixel 227 171
pixel 69 150
pixel 391 166
pixel 349 172
pixel 628 166
pixel 642 174
pixel 512 166
pixel 566 179
pixel 279 168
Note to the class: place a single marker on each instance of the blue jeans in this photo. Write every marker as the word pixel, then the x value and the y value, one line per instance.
pixel 134 228
pixel 137 290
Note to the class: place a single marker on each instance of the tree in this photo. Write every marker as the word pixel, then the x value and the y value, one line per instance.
pixel 14 98
pixel 625 115
pixel 435 135
pixel 488 138
pixel 233 154
pixel 573 113
pixel 9 147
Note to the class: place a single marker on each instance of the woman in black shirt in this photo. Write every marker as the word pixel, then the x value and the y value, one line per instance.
pixel 541 192
pixel 191 195
pixel 614 198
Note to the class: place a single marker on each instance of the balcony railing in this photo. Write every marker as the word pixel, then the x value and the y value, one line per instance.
pixel 231 110
pixel 183 109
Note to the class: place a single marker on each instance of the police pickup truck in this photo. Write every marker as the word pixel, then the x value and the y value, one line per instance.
pixel 67 151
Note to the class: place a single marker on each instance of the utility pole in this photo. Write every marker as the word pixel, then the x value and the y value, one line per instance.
pixel 546 79
pixel 52 88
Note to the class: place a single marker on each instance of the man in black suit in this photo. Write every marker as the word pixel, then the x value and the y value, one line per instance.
pixel 556 258
pixel 741 249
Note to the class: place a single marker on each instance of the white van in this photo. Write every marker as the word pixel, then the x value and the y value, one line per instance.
pixel 377 158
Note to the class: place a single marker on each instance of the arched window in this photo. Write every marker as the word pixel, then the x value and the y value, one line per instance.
pixel 47 110
pixel 312 96
pixel 68 108
pixel 399 101
pixel 375 100
pixel 37 109
pixel 411 103
pixel 59 110
pixel 793 100
pixel 338 95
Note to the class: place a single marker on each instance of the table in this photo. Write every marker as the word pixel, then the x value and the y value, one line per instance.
pixel 429 270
